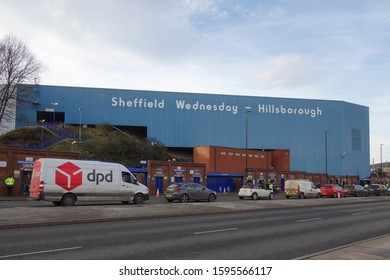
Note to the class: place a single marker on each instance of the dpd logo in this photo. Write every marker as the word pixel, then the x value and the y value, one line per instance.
pixel 68 176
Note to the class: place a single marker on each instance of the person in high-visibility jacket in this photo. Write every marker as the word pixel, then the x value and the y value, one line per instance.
pixel 9 182
pixel 271 186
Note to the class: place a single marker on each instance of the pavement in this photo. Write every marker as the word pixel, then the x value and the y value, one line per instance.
pixel 40 213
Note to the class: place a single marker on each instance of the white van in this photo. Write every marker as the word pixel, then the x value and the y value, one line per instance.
pixel 65 181
pixel 301 188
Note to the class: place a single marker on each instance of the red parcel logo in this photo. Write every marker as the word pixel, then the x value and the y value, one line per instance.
pixel 69 176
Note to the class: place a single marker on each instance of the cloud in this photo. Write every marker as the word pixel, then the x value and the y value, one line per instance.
pixel 289 70
pixel 305 49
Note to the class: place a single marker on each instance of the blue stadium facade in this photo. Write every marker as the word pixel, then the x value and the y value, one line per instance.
pixel 176 119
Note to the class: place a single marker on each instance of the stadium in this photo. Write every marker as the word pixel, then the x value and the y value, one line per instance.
pixel 321 136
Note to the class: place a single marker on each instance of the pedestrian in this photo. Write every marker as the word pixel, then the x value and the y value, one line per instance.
pixel 271 186
pixel 26 186
pixel 365 185
pixel 9 182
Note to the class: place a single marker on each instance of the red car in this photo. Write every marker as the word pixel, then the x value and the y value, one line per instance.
pixel 333 191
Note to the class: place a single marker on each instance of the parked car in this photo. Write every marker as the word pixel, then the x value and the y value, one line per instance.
pixel 333 191
pixel 356 190
pixel 255 192
pixel 185 192
pixel 301 188
pixel 378 189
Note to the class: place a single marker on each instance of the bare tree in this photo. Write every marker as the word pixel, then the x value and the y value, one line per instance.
pixel 19 69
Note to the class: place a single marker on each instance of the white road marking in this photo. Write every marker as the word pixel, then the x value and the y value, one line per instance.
pixel 40 252
pixel 360 213
pixel 214 231
pixel 308 220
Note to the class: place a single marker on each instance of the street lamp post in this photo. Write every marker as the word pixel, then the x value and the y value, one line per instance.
pixel 247 110
pixel 42 122
pixel 344 157
pixel 72 143
pixel 381 163
pixel 80 110
pixel 54 111
pixel 326 155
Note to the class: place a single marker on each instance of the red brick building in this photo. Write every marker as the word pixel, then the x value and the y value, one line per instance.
pixel 19 163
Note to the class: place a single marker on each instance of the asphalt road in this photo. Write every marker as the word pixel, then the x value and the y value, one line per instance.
pixel 271 234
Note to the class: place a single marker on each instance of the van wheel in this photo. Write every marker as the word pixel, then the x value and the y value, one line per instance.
pixel 271 196
pixel 68 200
pixel 255 196
pixel 301 195
pixel 138 199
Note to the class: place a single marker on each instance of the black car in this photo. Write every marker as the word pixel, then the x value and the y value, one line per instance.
pixel 356 190
pixel 185 192
pixel 378 189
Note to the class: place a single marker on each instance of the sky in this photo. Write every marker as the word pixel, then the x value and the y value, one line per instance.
pixel 329 49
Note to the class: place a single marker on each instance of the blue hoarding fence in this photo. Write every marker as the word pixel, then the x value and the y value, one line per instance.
pixel 224 182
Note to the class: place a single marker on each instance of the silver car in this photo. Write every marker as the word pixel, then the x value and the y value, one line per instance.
pixel 185 192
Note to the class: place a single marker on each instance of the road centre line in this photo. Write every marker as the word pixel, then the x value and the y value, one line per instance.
pixel 40 252
pixel 360 213
pixel 308 220
pixel 214 231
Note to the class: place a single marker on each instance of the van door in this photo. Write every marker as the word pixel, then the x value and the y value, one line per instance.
pixel 36 179
pixel 313 190
pixel 128 186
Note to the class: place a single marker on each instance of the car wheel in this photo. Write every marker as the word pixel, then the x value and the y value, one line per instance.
pixel 241 197
pixel 255 196
pixel 301 195
pixel 184 198
pixel 318 195
pixel 271 196
pixel 68 200
pixel 138 199
pixel 212 197
pixel 335 195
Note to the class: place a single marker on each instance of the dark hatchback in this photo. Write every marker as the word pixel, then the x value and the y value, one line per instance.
pixel 185 192
pixel 378 189
pixel 356 190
